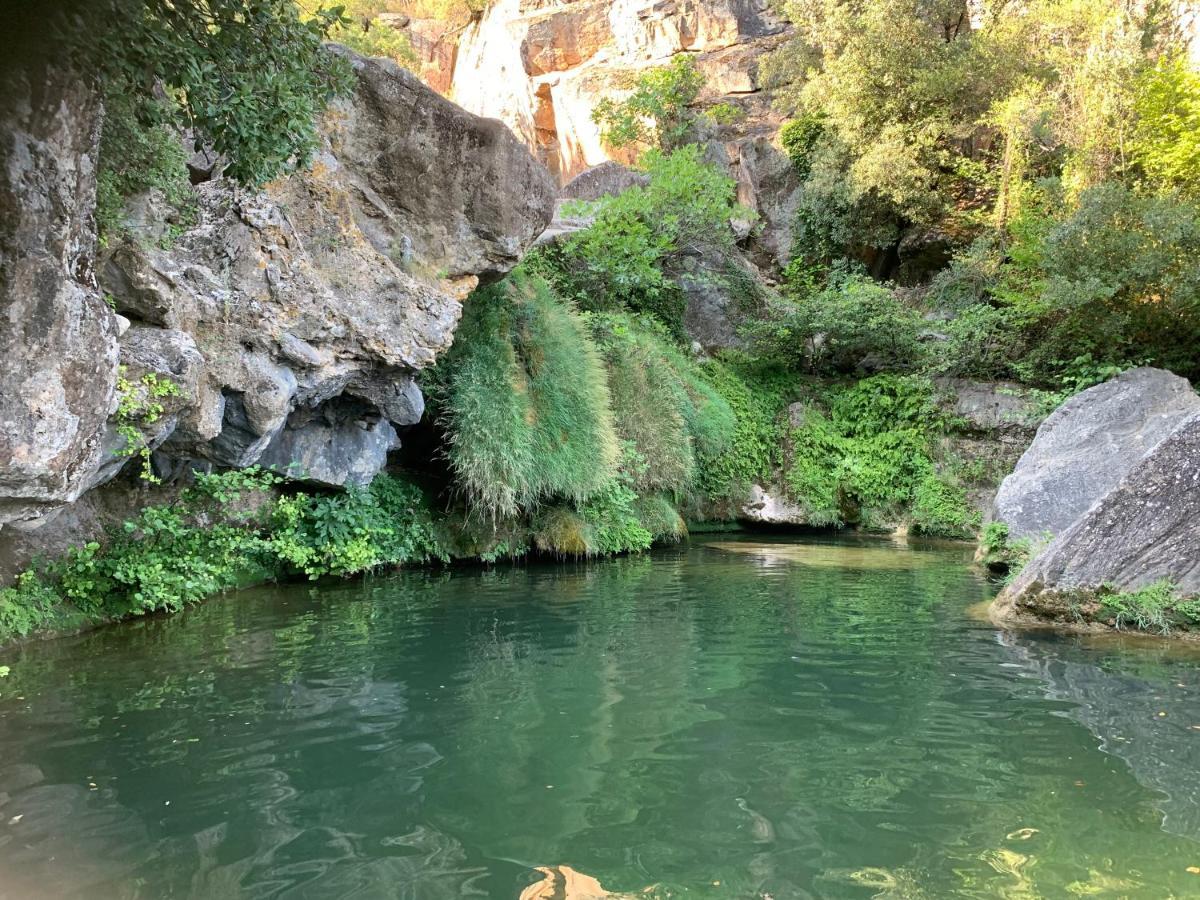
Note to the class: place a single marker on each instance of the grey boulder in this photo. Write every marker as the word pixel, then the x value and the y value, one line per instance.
pixel 1146 529
pixel 1083 449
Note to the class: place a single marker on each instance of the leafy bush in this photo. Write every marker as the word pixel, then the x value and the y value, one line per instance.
pixel 637 244
pixel 30 604
pixel 224 530
pixel 657 111
pixel 867 458
pixel 835 329
pixel 248 79
pixel 137 157
pixel 169 556
pixel 940 508
pixel 527 413
pixel 799 138
pixel 613 523
pixel 756 396
pixel 355 531
pixel 1069 301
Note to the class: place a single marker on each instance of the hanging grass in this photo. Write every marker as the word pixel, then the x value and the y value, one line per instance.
pixel 662 405
pixel 527 414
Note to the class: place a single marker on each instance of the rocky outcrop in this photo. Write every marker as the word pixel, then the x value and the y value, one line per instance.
pixel 769 506
pixel 57 338
pixel 1087 446
pixel 436 190
pixel 542 66
pixel 993 424
pixel 1146 529
pixel 289 321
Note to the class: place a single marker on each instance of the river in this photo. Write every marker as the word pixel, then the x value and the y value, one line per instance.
pixel 730 718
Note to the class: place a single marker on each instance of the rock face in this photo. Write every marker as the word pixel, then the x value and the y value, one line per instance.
pixel 57 338
pixel 768 506
pixel 1087 446
pixel 541 67
pixel 996 422
pixel 1145 529
pixel 435 189
pixel 289 321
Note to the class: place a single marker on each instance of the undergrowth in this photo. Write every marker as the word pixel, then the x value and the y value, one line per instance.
pixel 1155 608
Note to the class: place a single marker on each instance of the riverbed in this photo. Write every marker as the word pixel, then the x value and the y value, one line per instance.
pixel 733 717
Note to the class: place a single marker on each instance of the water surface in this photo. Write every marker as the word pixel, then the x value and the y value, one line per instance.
pixel 731 718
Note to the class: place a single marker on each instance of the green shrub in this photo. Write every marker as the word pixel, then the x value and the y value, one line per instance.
pixel 942 509
pixel 365 33
pixel 30 604
pixel 224 530
pixel 1107 284
pixel 657 111
pixel 838 327
pixel 799 139
pixel 612 520
pixel 354 531
pixel 628 258
pixel 756 397
pixel 250 79
pixel 134 157
pixel 867 459
pixel 169 556
pixel 526 404
pixel 1154 608
pixel 660 518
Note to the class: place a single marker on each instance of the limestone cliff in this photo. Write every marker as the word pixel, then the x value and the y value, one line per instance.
pixel 541 67
pixel 289 321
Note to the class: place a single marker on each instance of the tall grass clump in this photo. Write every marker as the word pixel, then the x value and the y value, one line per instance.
pixel 526 410
pixel 673 419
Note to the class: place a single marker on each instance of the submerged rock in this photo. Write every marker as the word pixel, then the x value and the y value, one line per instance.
pixel 1087 446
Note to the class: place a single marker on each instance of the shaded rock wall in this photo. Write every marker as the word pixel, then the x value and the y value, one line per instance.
pixel 58 340
pixel 290 320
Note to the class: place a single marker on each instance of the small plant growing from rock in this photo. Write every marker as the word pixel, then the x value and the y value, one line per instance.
pixel 139 402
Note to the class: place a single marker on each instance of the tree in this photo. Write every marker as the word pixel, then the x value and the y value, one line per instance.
pixel 658 111
pixel 247 77
pixel 1166 138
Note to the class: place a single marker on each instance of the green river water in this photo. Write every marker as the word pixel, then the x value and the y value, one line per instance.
pixel 736 718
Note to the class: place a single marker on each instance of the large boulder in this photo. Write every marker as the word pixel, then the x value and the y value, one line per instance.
pixel 433 187
pixel 1146 529
pixel 58 340
pixel 1083 449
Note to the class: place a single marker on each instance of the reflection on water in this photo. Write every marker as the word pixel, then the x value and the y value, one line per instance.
pixel 734 719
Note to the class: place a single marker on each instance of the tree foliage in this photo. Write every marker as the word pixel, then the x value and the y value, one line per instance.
pixel 249 78
pixel 657 112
